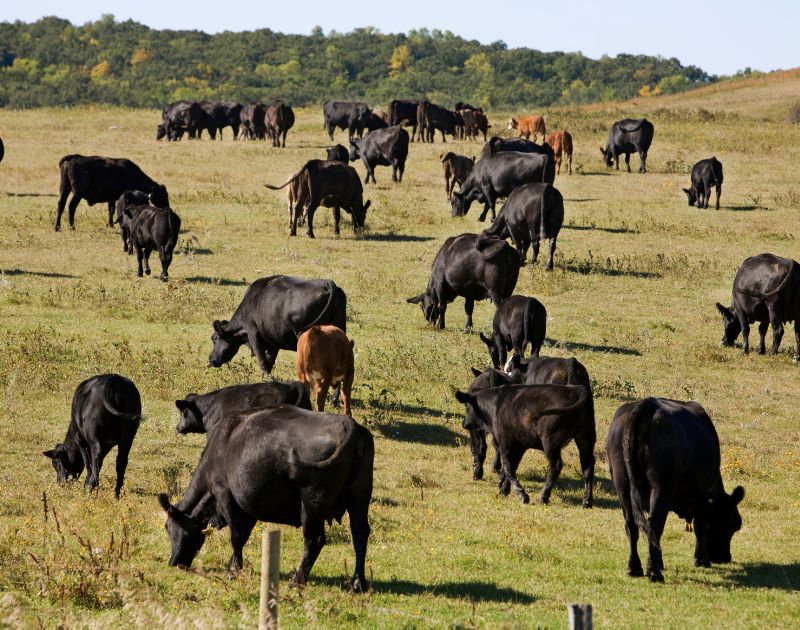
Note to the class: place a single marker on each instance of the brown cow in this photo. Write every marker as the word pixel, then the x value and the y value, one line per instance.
pixel 456 169
pixel 325 359
pixel 527 125
pixel 561 141
pixel 475 122
pixel 278 119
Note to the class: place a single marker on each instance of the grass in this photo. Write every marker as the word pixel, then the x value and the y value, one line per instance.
pixel 632 296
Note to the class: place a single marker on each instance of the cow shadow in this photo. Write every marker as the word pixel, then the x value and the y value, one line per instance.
pixel 31 194
pixel 743 208
pixel 593 228
pixel 579 200
pixel 785 577
pixel 222 282
pixel 595 174
pixel 395 238
pixel 195 251
pixel 602 271
pixel 578 345
pixel 42 274
pixel 420 433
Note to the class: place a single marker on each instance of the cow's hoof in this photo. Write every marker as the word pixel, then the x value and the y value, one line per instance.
pixel 544 500
pixel 524 498
pixel 147 272
pixel 635 571
pixel 656 577
pixel 58 228
pixel 164 278
pixel 358 585
pixel 702 563
pixel 477 475
pixel 587 504
pixel 139 274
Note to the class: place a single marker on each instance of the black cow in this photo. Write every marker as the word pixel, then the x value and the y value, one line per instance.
pixel 664 457
pixel 278 119
pixel 330 184
pixel 184 117
pixel 497 145
pixel 474 123
pixel 282 465
pixel 200 413
pixel 101 180
pixel 472 266
pixel 133 199
pixel 531 212
pixel 404 113
pixel 273 313
pixel 233 113
pixel 766 289
pixel 106 410
pixel 375 122
pixel 383 147
pixel 338 153
pixel 251 118
pixel 543 417
pixel 705 174
pixel 217 118
pixel 477 437
pixel 626 137
pixel 2 150
pixel 461 106
pixel 497 175
pixel 518 321
pixel 431 117
pixel 149 229
pixel 345 115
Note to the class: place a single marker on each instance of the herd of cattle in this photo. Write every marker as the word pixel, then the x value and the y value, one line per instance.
pixel 264 440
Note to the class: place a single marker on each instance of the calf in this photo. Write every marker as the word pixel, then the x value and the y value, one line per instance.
pixel 325 359
pixel 201 413
pixel 129 199
pixel 626 137
pixel 664 457
pixel 705 174
pixel 543 417
pixel 106 410
pixel 273 313
pixel 532 211
pixel 456 170
pixel 151 229
pixel 384 147
pixel 470 266
pixel 284 466
pixel 338 153
pixel 477 437
pixel 527 126
pixel 278 119
pixel 518 321
pixel 561 141
pixel 766 289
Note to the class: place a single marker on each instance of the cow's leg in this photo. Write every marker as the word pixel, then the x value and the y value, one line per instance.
pixel 558 165
pixel 321 388
pixel 569 158
pixel 632 530
pixel 123 449
pixel 313 542
pixel 147 252
pixel 394 170
pixel 762 337
pixel 260 350
pixel 497 465
pixel 477 444
pixel 777 330
pixel 293 220
pixel 659 508
pixel 552 253
pixel 554 465
pixel 701 524
pixel 139 259
pixel 164 258
pixel 111 214
pixel 442 310
pixel 310 210
pixel 337 217
pixel 347 386
pixel 719 192
pixel 469 307
pixel 586 452
pixel 535 244
pixel 358 511
pixel 628 162
pixel 73 205
pixel 96 456
pixel 796 340
pixel 62 202
pixel 643 158
pixel 511 458
pixel 745 334
pixel 241 525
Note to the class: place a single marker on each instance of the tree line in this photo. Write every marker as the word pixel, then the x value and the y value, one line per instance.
pixel 52 62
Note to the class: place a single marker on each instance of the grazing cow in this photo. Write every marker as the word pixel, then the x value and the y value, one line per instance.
pixel 201 413
pixel 531 212
pixel 472 266
pixel 518 321
pixel 233 114
pixel 544 370
pixel 106 410
pixel 252 117
pixel 542 417
pixel 102 180
pixel 344 115
pixel 325 359
pixel 477 437
pixel 149 229
pixel 404 113
pixel 278 119
pixel 456 170
pixel 273 313
pixel 330 184
pixel 431 117
pixel 285 466
pixel 475 123
pixel 377 120
pixel 705 174
pixel 626 137
pixel 182 117
pixel 561 141
pixel 338 153
pixel 528 125
pixel 497 175
pixel 766 289
pixel 497 144
pixel 383 147
pixel 664 457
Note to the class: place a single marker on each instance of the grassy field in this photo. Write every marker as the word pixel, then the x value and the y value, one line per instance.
pixel 632 296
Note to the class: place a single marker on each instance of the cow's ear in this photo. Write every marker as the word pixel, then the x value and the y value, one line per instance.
pixel 51 454
pixel 485 339
pixel 688 191
pixel 737 495
pixel 602 151
pixel 182 404
pixel 219 326
pixel 366 205
pixel 416 299
pixel 163 500
pixel 476 372
pixel 465 398
pixel 725 312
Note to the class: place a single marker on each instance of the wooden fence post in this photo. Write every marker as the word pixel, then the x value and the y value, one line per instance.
pixel 580 616
pixel 270 574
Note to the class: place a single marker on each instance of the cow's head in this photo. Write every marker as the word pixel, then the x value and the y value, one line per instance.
pixel 459 203
pixel 161 131
pixel 191 420
pixel 731 326
pixel 68 464
pixel 429 306
pixel 497 349
pixel 364 113
pixel 158 196
pixel 608 156
pixel 185 531
pixel 360 215
pixel 474 418
pixel 226 341
pixel 355 150
pixel 725 521
pixel 513 123
pixel 690 194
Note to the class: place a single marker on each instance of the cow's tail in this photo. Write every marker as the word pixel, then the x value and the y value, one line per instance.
pixel 289 181
pixel 631 438
pixel 323 313
pixel 542 221
pixel 120 415
pixel 714 162
pixel 526 324
pixel 774 291
pixel 345 441
pixel 563 411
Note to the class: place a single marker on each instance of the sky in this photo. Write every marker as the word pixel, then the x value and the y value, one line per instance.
pixel 719 36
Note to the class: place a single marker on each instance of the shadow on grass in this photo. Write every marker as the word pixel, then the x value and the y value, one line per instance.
pixel 197 251
pixel 395 238
pixel 610 230
pixel 222 282
pixel 632 273
pixel 577 345
pixel 579 200
pixel 30 194
pixel 785 577
pixel 41 274
pixel 431 434
pixel 596 173
pixel 742 208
